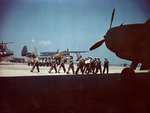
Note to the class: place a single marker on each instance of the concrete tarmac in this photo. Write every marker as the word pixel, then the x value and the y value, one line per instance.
pixel 75 94
pixel 18 70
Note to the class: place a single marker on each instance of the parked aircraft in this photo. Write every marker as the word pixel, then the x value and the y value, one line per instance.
pixel 5 53
pixel 47 55
pixel 17 60
pixel 130 42
pixel 67 53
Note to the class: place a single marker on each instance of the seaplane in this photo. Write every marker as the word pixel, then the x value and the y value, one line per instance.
pixel 5 53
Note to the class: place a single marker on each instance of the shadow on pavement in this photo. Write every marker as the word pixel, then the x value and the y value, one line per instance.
pixel 75 94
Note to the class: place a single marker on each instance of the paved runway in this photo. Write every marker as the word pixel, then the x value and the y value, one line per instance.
pixel 75 94
pixel 16 70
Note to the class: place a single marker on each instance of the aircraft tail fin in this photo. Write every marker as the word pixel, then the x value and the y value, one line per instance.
pixel 24 51
pixel 57 51
pixel 67 50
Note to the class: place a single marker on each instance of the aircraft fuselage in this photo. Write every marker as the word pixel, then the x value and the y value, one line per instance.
pixel 130 42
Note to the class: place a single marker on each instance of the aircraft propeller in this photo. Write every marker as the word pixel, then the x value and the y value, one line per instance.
pixel 96 45
pixel 112 17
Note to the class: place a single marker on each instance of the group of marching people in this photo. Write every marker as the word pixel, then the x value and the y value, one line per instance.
pixel 90 65
pixel 86 66
pixel 62 65
pixel 54 65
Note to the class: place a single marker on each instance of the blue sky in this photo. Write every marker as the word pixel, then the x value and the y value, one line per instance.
pixel 62 24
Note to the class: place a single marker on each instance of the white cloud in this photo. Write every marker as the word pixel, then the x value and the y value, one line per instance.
pixel 33 40
pixel 42 42
pixel 45 42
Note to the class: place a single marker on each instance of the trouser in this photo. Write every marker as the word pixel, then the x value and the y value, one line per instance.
pixel 71 67
pixel 81 68
pixel 107 68
pixel 99 68
pixel 93 69
pixel 89 69
pixel 35 65
pixel 63 66
pixel 86 68
pixel 53 67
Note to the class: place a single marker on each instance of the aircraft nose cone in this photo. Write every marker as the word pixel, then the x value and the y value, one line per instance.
pixel 110 41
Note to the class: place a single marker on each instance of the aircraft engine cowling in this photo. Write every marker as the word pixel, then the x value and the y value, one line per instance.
pixel 127 41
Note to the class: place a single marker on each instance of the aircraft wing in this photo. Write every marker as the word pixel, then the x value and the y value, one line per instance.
pixel 6 43
pixel 47 53
pixel 78 51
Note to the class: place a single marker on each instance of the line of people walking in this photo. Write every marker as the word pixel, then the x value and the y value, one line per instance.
pixel 86 66
pixel 93 66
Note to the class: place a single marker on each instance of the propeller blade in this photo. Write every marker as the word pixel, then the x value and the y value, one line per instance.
pixel 112 17
pixel 97 44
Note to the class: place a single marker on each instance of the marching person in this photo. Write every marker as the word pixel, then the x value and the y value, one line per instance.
pixel 98 66
pixel 80 65
pixel 71 66
pixel 90 65
pixel 36 63
pixel 53 65
pixel 87 63
pixel 62 65
pixel 106 66
pixel 93 65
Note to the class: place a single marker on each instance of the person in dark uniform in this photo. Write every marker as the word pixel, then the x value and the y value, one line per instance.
pixel 62 65
pixel 53 65
pixel 71 66
pixel 36 63
pixel 98 66
pixel 80 65
pixel 93 65
pixel 90 65
pixel 86 65
pixel 106 66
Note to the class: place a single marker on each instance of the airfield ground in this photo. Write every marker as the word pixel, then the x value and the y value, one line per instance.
pixel 17 69
pixel 26 92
